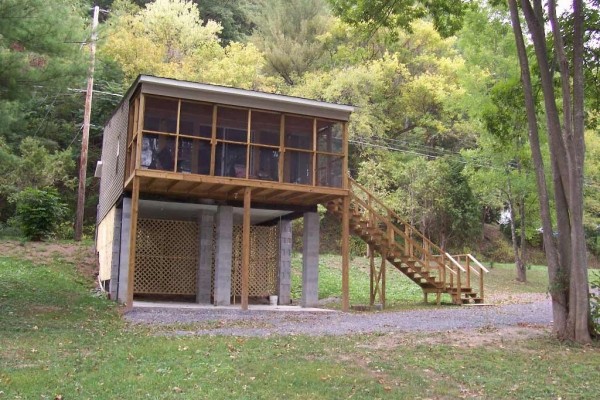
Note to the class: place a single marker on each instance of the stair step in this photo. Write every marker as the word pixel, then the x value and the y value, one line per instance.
pixel 375 233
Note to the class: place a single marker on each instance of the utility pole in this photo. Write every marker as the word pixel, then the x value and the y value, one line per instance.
pixel 86 131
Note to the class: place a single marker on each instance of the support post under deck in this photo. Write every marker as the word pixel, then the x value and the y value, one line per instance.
pixel 345 254
pixel 246 247
pixel 310 260
pixel 205 257
pixel 224 223
pixel 135 200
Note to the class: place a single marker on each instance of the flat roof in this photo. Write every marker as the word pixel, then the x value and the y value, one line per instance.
pixel 239 97
pixel 236 97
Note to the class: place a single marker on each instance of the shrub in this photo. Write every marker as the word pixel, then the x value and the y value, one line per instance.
pixel 38 212
pixel 595 302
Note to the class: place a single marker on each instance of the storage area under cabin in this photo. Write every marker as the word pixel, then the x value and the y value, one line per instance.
pixel 200 206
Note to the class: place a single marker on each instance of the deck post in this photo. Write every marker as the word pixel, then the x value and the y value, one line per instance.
pixel 310 260
pixel 224 223
pixel 205 256
pixel 285 261
pixel 135 199
pixel 345 254
pixel 246 246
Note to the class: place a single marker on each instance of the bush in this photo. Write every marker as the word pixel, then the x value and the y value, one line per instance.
pixel 38 212
pixel 595 302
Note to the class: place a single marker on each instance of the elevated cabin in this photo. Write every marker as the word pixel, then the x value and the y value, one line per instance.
pixel 200 183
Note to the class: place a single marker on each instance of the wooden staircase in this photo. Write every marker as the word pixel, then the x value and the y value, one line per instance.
pixel 409 251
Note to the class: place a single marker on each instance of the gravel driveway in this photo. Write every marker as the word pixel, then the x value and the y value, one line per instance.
pixel 236 322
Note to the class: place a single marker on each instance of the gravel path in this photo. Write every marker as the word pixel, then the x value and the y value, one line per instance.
pixel 262 323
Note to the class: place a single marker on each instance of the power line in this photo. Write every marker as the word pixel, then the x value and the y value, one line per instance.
pixel 462 161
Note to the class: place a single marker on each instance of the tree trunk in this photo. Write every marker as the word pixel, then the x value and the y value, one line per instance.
pixel 559 304
pixel 567 267
pixel 523 236
pixel 519 265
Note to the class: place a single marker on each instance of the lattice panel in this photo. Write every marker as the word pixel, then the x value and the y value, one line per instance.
pixel 166 257
pixel 264 250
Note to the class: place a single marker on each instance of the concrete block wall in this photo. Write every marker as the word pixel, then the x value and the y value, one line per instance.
pixel 205 238
pixel 310 260
pixel 285 262
pixel 124 256
pixel 116 254
pixel 224 238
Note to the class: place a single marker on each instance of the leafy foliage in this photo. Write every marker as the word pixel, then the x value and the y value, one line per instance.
pixel 595 302
pixel 40 58
pixel 38 212
pixel 288 34
pixel 446 15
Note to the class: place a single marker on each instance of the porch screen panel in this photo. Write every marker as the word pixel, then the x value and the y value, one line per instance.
pixel 330 157
pixel 232 142
pixel 264 150
pixel 159 133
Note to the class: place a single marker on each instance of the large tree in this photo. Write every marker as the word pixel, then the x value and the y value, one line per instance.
pixel 565 253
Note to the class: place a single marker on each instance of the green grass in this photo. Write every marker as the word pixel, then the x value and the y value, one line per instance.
pixel 502 279
pixel 401 292
pixel 57 338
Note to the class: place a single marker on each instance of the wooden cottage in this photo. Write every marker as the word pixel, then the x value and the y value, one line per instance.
pixel 200 183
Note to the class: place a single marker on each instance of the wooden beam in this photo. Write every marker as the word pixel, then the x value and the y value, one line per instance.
pixel 248 144
pixel 281 147
pixel 314 153
pixel 140 125
pixel 213 141
pixel 345 162
pixel 253 183
pixel 235 192
pixel 181 187
pixel 172 185
pixel 135 199
pixel 177 136
pixel 246 247
pixel 345 254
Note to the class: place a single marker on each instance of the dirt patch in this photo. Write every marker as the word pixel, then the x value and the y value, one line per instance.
pixel 469 338
pixel 39 309
pixel 83 256
pixel 514 298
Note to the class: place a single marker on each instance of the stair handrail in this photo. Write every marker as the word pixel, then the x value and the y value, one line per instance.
pixel 476 261
pixel 392 213
pixel 470 268
pixel 451 258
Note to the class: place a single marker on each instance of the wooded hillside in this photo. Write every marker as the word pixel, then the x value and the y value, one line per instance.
pixel 441 131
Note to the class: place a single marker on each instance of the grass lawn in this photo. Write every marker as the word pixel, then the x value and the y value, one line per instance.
pixel 56 338
pixel 401 292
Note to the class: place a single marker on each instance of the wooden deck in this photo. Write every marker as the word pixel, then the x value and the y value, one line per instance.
pixel 231 189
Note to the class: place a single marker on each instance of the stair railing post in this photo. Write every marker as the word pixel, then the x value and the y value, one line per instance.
pixel 382 274
pixel 426 255
pixel 481 284
pixel 452 276
pixel 443 269
pixel 408 241
pixel 371 273
pixel 458 286
pixel 468 267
